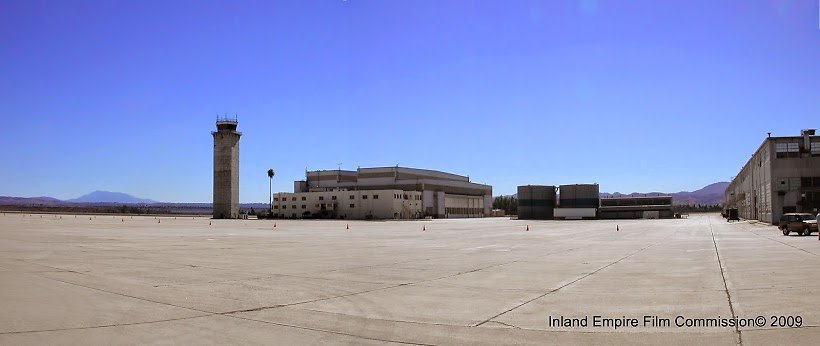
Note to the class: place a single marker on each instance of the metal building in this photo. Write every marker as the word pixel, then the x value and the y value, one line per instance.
pixel 536 202
pixel 384 192
pixel 226 169
pixel 636 207
pixel 578 201
pixel 782 176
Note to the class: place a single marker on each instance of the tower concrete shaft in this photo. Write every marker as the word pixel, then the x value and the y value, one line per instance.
pixel 226 169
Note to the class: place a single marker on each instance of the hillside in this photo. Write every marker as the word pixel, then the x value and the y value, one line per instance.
pixel 110 197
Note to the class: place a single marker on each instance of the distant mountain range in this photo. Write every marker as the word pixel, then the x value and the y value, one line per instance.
pixel 710 194
pixel 96 197
pixel 110 197
pixel 6 200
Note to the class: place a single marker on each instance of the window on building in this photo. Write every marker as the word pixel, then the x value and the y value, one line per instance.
pixel 787 149
pixel 304 206
pixel 352 197
pixel 333 197
pixel 815 148
pixel 321 198
pixel 304 198
pixel 293 198
pixel 284 207
pixel 375 196
pixel 352 205
pixel 364 196
pixel 275 207
pixel 293 206
pixel 276 199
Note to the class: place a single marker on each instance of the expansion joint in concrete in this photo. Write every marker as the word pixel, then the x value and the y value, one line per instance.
pixel 738 333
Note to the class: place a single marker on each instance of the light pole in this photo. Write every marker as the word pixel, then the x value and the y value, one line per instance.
pixel 270 191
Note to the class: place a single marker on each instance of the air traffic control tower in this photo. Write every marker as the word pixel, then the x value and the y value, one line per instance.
pixel 226 168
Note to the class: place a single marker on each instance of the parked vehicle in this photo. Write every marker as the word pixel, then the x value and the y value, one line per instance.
pixel 802 223
pixel 731 215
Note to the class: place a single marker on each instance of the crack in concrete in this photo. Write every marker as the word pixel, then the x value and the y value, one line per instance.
pixel 104 325
pixel 738 333
pixel 789 245
pixel 397 285
pixel 206 314
pixel 329 331
pixel 491 319
pixel 505 324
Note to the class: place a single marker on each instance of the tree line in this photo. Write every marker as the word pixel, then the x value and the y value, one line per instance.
pixel 507 203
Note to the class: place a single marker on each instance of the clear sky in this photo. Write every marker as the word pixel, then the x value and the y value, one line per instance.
pixel 634 95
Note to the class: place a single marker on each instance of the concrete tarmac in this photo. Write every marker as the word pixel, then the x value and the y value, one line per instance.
pixel 141 280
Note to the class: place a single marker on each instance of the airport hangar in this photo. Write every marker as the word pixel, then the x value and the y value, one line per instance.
pixel 384 193
pixel 783 176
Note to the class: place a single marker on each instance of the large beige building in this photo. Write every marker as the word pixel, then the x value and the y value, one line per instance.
pixel 384 193
pixel 783 176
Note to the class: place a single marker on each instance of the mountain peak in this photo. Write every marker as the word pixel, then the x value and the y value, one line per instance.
pixel 110 197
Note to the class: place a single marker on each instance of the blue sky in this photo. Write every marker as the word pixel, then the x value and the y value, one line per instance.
pixel 633 95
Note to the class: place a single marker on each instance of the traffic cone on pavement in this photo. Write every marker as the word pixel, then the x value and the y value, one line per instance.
pixel 347 226
pixel 424 228
pixel 528 228
pixel 617 228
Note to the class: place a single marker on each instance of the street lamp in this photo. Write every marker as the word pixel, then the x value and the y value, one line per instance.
pixel 270 191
